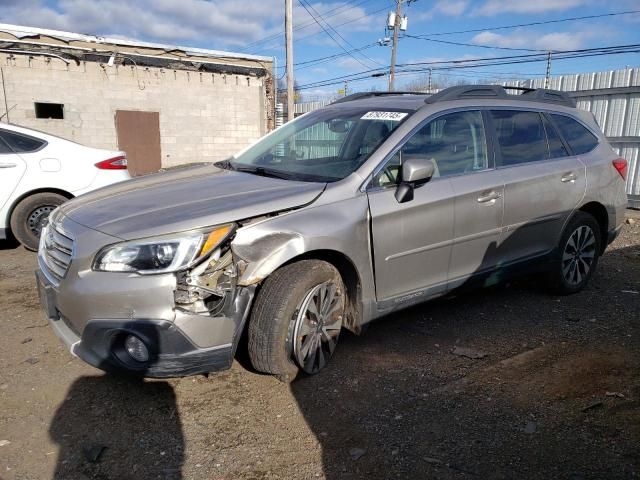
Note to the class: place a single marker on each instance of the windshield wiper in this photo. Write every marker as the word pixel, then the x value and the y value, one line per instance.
pixel 263 172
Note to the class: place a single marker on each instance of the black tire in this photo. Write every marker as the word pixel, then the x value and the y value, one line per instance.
pixel 27 215
pixel 274 317
pixel 571 271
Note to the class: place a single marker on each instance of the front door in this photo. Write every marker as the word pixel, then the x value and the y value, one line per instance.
pixel 411 240
pixel 452 222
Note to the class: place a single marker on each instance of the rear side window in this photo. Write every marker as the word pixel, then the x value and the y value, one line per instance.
pixel 21 143
pixel 4 148
pixel 577 136
pixel 521 136
pixel 556 147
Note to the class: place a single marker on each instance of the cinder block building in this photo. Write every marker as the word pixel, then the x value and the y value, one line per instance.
pixel 164 105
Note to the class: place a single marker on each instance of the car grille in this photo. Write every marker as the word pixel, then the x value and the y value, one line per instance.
pixel 55 251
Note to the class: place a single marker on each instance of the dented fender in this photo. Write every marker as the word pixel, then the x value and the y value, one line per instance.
pixel 263 245
pixel 260 252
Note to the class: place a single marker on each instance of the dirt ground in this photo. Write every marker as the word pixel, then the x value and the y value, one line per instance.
pixel 557 395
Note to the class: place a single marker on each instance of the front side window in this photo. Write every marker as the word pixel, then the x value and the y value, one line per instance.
pixel 20 143
pixel 577 136
pixel 521 136
pixel 455 143
pixel 325 145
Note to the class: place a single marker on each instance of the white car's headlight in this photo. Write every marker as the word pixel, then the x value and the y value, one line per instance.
pixel 164 254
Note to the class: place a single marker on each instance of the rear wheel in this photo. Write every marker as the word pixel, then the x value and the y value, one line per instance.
pixel 296 320
pixel 30 216
pixel 578 253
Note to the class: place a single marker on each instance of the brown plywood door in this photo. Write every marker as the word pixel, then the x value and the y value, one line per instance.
pixel 139 136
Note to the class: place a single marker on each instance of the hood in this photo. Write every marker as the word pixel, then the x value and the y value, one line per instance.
pixel 185 199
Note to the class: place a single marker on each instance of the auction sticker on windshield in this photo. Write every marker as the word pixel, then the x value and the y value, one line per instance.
pixel 391 116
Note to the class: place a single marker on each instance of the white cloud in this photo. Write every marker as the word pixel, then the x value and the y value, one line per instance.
pixel 451 8
pixel 210 24
pixel 495 7
pixel 519 39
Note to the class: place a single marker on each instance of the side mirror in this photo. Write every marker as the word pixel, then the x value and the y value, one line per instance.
pixel 415 171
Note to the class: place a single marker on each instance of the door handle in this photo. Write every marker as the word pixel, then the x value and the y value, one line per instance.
pixel 489 197
pixel 8 165
pixel 568 177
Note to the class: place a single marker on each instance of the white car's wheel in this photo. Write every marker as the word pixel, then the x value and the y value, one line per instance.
pixel 30 215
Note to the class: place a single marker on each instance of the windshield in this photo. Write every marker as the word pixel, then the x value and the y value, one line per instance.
pixel 326 145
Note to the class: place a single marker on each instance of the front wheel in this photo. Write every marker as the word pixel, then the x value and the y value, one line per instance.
pixel 31 214
pixel 296 320
pixel 578 253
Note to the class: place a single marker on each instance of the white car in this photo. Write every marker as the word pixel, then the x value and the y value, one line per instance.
pixel 39 171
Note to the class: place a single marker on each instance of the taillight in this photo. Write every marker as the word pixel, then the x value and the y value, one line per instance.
pixel 115 163
pixel 620 164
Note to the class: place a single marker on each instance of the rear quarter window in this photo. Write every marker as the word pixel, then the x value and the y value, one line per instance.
pixel 21 143
pixel 579 138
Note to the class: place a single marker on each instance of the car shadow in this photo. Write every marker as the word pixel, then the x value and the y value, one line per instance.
pixel 9 243
pixel 399 403
pixel 117 427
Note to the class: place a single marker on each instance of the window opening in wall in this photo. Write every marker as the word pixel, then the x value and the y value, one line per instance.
pixel 49 110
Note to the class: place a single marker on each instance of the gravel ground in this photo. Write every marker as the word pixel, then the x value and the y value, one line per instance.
pixel 555 394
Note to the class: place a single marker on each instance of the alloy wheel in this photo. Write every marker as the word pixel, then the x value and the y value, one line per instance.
pixel 579 254
pixel 317 327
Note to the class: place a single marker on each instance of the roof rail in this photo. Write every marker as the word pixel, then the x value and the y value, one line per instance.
pixel 358 96
pixel 497 91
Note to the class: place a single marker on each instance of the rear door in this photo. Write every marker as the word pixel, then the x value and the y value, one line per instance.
pixel 479 197
pixel 12 167
pixel 543 183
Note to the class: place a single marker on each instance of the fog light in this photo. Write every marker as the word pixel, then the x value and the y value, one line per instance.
pixel 136 348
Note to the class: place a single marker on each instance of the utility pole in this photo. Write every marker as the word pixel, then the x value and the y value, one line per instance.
pixel 394 47
pixel 546 78
pixel 288 27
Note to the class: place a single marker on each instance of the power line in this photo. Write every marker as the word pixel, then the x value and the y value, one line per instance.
pixel 337 11
pixel 330 35
pixel 336 26
pixel 340 35
pixel 480 62
pixel 427 37
pixel 546 22
pixel 321 60
pixel 303 25
pixel 462 44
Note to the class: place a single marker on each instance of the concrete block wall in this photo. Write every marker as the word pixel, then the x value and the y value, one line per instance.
pixel 203 116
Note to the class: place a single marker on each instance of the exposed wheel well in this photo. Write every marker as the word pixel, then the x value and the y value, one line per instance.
pixel 64 193
pixel 599 212
pixel 350 278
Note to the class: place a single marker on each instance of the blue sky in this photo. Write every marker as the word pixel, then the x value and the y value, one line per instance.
pixel 256 26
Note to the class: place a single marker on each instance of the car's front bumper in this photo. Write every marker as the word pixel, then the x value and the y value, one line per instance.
pixel 172 352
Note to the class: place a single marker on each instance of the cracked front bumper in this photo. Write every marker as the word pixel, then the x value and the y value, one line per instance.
pixel 173 353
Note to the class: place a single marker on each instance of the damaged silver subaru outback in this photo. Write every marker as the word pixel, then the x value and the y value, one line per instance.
pixel 372 204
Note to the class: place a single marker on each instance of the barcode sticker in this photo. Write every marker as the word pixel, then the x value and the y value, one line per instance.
pixel 391 116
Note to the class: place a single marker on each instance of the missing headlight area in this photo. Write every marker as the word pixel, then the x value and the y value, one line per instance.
pixel 207 288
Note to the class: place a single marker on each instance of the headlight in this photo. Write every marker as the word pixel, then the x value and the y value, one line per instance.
pixel 160 254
